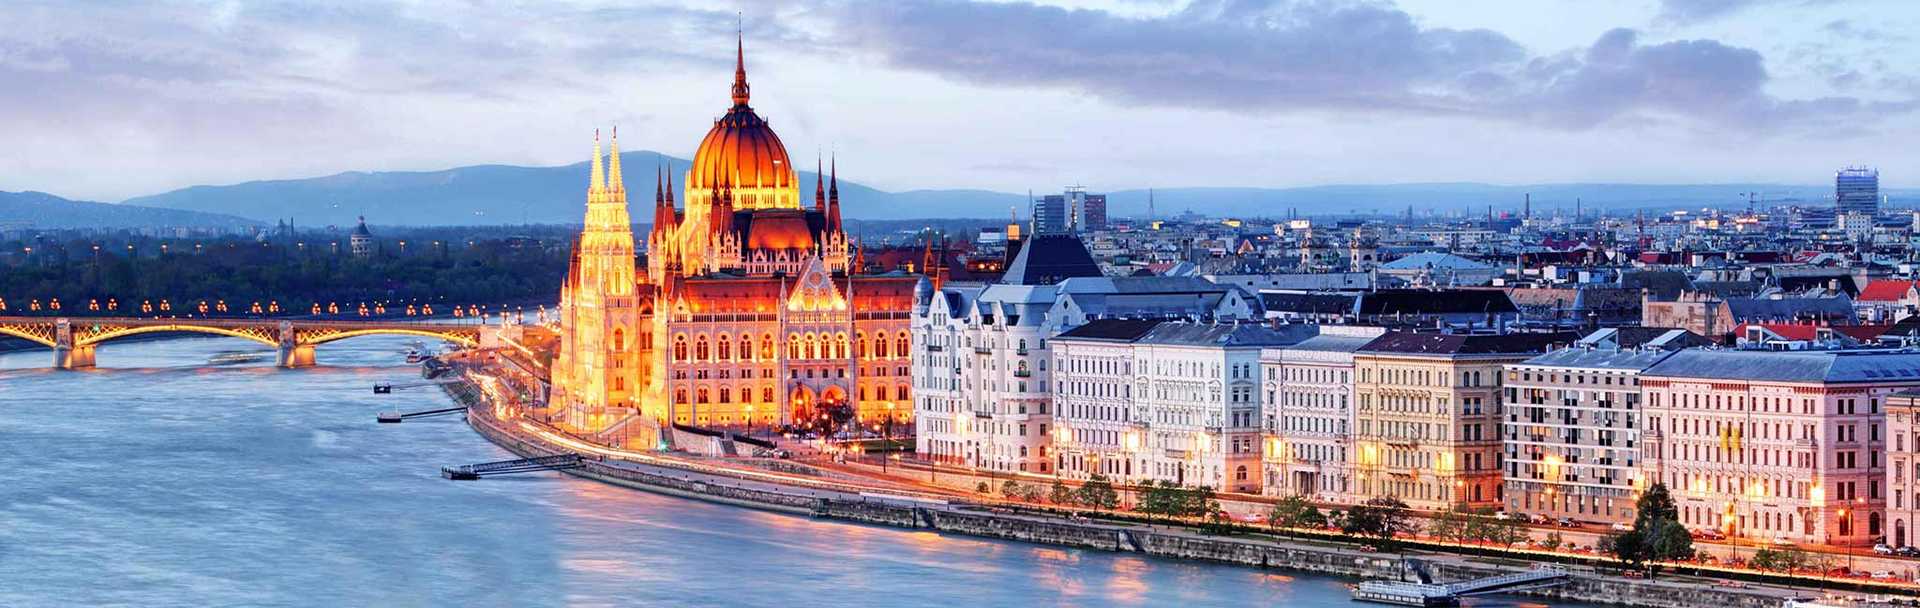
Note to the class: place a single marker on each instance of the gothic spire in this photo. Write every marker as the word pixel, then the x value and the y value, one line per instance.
pixel 741 92
pixel 614 182
pixel 833 197
pixel 598 183
pixel 819 187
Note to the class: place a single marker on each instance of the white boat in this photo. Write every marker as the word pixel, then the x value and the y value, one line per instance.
pixel 236 358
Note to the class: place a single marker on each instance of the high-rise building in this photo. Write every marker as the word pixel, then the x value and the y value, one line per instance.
pixel 1856 190
pixel 1093 212
pixel 1050 215
pixel 1071 211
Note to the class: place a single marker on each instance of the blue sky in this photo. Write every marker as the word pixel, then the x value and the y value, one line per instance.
pixel 105 100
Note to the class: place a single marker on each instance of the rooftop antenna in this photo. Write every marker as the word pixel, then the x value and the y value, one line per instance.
pixel 1150 213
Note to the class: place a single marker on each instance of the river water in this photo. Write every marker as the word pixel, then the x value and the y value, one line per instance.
pixel 161 480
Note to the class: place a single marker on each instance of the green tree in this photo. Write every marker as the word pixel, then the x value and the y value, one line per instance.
pixel 1295 512
pixel 981 488
pixel 1098 492
pixel 1011 489
pixel 1380 519
pixel 1553 542
pixel 1657 534
pixel 1450 526
pixel 1060 495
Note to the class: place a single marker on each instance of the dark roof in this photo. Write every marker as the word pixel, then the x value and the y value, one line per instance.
pixel 1665 284
pixel 1050 258
pixel 1120 330
pixel 1228 334
pixel 1406 342
pixel 1418 302
pixel 1634 336
pixel 1308 303
pixel 1768 309
pixel 1792 366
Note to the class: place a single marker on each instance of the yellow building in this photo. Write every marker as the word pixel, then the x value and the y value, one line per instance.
pixel 1427 416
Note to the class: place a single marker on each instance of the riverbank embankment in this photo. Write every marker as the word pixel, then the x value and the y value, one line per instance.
pixel 978 521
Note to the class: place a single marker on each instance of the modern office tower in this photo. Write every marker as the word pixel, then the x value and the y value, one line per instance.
pixel 1856 190
pixel 1050 214
pixel 1093 212
pixel 1774 446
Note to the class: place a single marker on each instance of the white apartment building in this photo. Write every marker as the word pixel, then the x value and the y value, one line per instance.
pixel 982 389
pixel 1143 401
pixel 1307 413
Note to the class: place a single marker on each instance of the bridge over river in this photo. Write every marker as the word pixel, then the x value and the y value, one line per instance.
pixel 73 338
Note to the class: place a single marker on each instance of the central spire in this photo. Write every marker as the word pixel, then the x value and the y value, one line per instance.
pixel 740 89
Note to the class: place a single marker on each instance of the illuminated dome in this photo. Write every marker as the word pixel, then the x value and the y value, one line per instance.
pixel 743 154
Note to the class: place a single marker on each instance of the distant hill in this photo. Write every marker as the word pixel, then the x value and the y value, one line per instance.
pixel 42 210
pixel 1455 197
pixel 505 194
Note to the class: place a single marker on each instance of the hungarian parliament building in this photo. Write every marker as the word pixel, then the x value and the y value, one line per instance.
pixel 751 306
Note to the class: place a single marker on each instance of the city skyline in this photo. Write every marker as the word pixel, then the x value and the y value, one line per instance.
pixel 1256 94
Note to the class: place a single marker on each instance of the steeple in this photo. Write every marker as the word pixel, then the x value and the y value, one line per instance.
pixel 614 182
pixel 741 92
pixel 833 197
pixel 819 187
pixel 599 181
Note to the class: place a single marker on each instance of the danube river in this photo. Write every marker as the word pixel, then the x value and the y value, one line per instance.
pixel 159 479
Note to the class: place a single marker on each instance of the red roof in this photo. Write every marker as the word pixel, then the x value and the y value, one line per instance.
pixel 1885 290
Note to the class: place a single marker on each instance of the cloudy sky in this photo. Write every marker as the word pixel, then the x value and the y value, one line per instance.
pixel 106 100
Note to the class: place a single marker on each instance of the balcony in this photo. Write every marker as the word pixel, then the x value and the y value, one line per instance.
pixel 1020 351
pixel 934 348
pixel 982 350
pixel 1021 373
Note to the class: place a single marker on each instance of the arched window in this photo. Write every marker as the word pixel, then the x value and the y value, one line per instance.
pixel 766 394
pixel 680 396
pixel 900 346
pixel 726 395
pixel 1240 474
pixel 813 346
pixel 700 350
pixel 900 393
pixel 619 383
pixel 680 348
pixel 793 346
pixel 840 346
pixel 880 346
pixel 766 347
pixel 725 347
pixel 860 345
pixel 619 340
pixel 704 396
pixel 746 347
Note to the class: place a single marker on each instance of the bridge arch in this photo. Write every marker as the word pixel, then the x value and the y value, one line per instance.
pixel 121 332
pixel 24 334
pixel 334 336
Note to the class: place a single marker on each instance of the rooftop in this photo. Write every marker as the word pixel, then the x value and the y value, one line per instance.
pixel 1792 366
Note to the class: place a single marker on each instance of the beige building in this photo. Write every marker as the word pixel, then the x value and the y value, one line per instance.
pixel 1307 415
pixel 1428 415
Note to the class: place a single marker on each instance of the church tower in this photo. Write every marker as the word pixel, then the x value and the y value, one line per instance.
pixel 597 374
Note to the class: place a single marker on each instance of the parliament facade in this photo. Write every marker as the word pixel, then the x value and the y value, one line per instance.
pixel 751 306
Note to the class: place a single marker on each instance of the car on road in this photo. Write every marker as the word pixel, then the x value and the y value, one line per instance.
pixel 1908 551
pixel 1567 522
pixel 1883 549
pixel 1708 535
pixel 1620 526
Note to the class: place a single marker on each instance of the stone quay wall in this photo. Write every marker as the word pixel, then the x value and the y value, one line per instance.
pixel 988 523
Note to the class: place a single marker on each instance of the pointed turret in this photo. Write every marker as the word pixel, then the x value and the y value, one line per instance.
pixel 833 197
pixel 819 188
pixel 859 259
pixel 614 182
pixel 599 181
pixel 741 92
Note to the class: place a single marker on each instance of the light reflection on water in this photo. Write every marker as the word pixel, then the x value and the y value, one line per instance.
pixel 160 480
